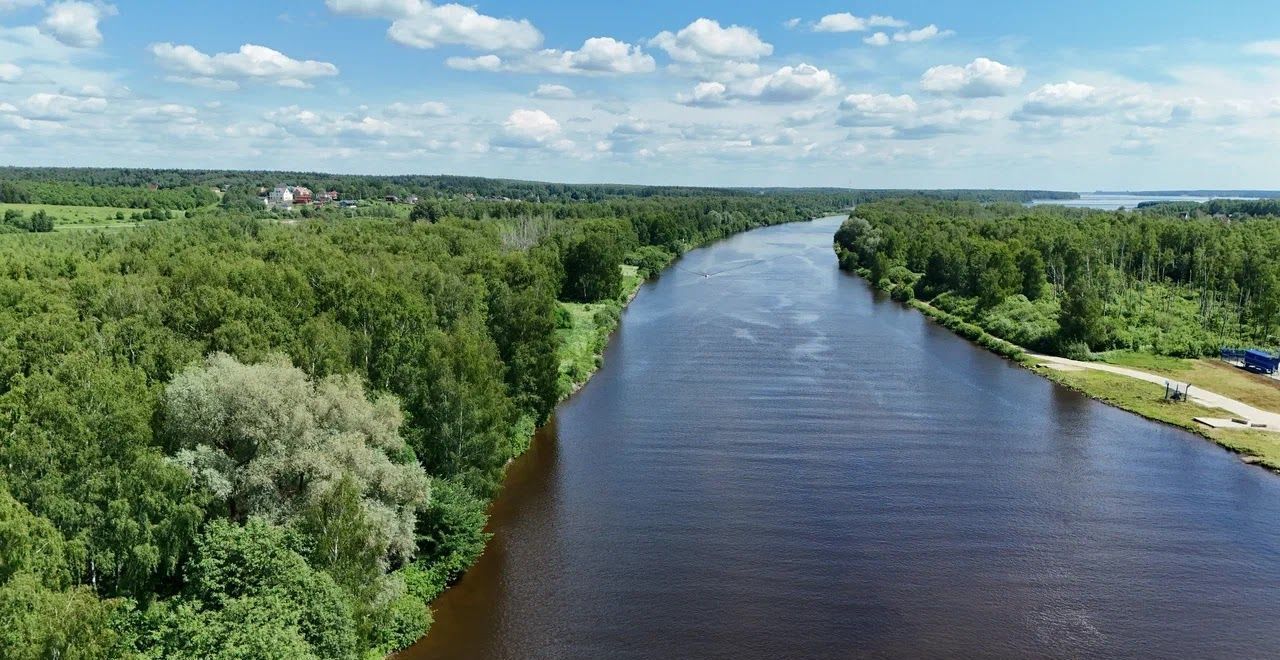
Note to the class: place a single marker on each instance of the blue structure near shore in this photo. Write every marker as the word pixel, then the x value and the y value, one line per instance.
pixel 1254 360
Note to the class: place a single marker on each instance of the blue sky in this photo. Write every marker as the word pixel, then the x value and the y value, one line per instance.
pixel 1074 96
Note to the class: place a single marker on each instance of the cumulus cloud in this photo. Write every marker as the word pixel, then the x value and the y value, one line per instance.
pixel 228 70
pixel 980 78
pixel 876 109
pixel 923 34
pixel 705 39
pixel 789 84
pixel 169 113
pixel 14 5
pixel 420 24
pixel 57 107
pixel 530 129
pixel 307 123
pixel 9 72
pixel 75 23
pixel 802 118
pixel 877 39
pixel 424 109
pixel 553 92
pixel 481 63
pixel 598 56
pixel 709 94
pixel 846 22
pixel 1068 99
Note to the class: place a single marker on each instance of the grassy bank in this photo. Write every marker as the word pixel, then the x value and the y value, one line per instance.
pixel 1147 400
pixel 1142 398
pixel 585 329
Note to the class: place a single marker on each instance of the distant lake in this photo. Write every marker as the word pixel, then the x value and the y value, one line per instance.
pixel 1108 202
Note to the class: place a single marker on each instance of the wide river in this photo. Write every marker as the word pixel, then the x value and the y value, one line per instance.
pixel 778 462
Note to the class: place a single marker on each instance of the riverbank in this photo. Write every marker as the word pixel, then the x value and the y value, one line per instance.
pixel 1145 398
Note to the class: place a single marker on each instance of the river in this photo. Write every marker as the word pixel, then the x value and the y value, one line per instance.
pixel 779 462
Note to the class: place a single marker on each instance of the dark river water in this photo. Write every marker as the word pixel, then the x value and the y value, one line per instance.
pixel 777 462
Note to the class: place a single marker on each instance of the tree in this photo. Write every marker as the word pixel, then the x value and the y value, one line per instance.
pixel 268 442
pixel 592 268
pixel 426 211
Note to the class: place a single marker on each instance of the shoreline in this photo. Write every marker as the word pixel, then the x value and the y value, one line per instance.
pixel 976 335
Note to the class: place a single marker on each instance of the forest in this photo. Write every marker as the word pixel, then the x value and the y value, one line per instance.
pixel 1076 281
pixel 174 188
pixel 225 434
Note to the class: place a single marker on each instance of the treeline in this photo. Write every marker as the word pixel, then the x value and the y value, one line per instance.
pixel 245 184
pixel 1075 281
pixel 227 438
pixel 1220 207
pixel 63 193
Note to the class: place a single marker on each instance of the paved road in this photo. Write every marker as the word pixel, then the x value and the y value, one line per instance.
pixel 1198 395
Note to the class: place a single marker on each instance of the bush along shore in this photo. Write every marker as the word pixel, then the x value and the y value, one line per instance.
pixel 1008 277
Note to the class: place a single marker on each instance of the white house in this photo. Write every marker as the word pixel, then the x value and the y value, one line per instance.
pixel 280 198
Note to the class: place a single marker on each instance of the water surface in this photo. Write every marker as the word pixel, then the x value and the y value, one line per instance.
pixel 1115 201
pixel 776 462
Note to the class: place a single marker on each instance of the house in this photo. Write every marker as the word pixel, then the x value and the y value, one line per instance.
pixel 301 195
pixel 326 197
pixel 280 198
pixel 392 199
pixel 411 199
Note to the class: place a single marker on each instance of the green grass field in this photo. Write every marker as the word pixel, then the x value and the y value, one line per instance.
pixel 1147 399
pixel 73 215
pixel 582 344
pixel 1213 375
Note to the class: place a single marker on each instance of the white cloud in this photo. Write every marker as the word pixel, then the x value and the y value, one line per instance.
pixel 9 72
pixel 1068 99
pixel 424 109
pixel 75 23
pixel 877 39
pixel 705 95
pixel 846 22
pixel 1264 48
pixel 14 5
pixel 705 40
pixel 802 117
pixel 598 56
pixel 923 34
pixel 375 8
pixel 980 78
pixel 876 109
pixel 56 107
pixel 791 23
pixel 420 24
pixel 251 62
pixel 530 129
pixel 481 63
pixel 307 123
pixel 788 84
pixel 553 92
pixel 169 113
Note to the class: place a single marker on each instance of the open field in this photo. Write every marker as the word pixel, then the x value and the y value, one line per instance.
pixel 73 215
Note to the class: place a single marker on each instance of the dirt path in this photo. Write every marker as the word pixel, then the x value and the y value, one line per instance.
pixel 1197 395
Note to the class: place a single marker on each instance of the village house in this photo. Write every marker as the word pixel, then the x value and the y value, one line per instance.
pixel 280 198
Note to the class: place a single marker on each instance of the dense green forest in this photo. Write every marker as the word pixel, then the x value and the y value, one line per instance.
pixel 228 436
pixel 1076 281
pixel 176 186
